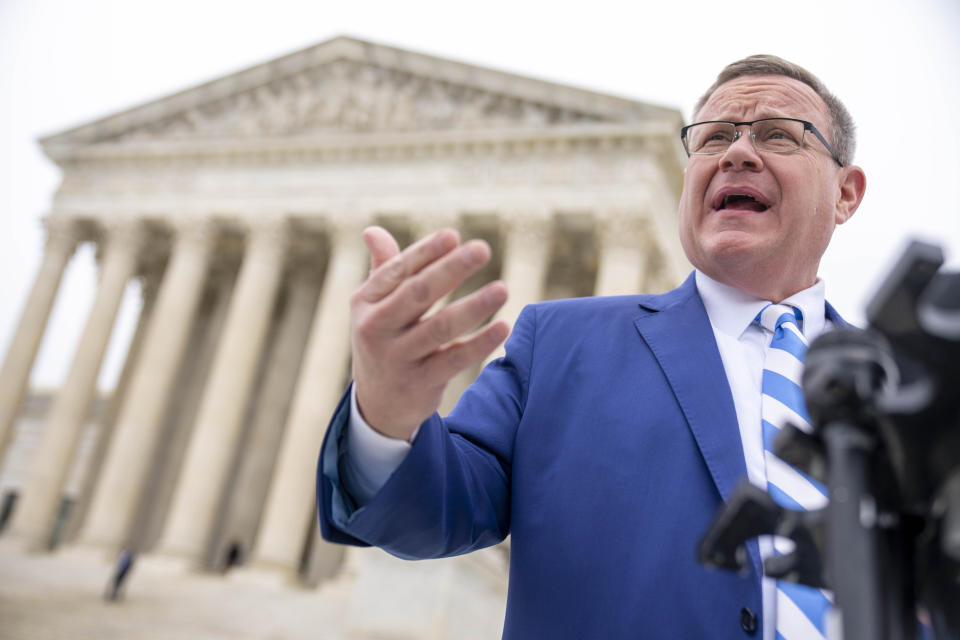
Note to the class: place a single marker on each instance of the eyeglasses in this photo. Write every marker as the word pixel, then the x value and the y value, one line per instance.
pixel 777 135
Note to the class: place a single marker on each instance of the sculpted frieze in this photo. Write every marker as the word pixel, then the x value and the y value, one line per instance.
pixel 348 96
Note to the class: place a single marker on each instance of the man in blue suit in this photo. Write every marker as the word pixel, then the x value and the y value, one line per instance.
pixel 612 430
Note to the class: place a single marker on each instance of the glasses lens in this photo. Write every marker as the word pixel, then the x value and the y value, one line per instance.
pixel 709 137
pixel 777 135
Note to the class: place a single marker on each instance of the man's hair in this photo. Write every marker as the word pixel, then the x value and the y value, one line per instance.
pixel 842 132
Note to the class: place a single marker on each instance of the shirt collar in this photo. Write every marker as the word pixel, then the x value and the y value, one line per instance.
pixel 731 310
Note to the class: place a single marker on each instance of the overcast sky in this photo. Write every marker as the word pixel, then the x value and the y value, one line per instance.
pixel 895 64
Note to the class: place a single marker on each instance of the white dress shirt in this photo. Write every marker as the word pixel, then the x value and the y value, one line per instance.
pixel 372 457
pixel 742 345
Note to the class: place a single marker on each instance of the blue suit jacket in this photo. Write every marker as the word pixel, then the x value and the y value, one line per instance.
pixel 604 442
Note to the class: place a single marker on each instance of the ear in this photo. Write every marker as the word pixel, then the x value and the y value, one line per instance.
pixel 852 182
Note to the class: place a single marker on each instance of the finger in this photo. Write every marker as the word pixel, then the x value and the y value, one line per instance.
pixel 418 293
pixel 381 244
pixel 449 361
pixel 388 275
pixel 453 321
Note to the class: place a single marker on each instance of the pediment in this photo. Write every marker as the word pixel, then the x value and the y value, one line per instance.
pixel 346 96
pixel 345 86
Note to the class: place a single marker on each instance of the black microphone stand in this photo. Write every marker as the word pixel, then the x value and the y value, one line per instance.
pixel 885 405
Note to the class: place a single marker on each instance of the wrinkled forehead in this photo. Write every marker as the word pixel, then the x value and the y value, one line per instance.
pixel 753 97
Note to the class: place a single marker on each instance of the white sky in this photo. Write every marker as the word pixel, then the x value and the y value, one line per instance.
pixel 895 64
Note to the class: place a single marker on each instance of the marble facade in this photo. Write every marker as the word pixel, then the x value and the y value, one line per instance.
pixel 238 204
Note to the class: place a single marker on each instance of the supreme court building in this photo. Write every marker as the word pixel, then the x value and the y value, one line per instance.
pixel 238 204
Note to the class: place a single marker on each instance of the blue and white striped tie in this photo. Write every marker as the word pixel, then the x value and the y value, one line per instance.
pixel 801 610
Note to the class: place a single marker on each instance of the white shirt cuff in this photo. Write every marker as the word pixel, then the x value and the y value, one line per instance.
pixel 371 456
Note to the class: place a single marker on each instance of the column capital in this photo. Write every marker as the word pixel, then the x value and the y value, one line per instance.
pixel 62 233
pixel 530 223
pixel 264 225
pixel 344 226
pixel 128 233
pixel 195 230
pixel 621 225
pixel 269 234
pixel 430 220
pixel 150 280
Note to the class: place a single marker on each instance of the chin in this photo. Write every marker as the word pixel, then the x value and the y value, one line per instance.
pixel 733 245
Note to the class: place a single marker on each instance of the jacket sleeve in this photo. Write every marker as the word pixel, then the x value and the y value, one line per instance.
pixel 451 495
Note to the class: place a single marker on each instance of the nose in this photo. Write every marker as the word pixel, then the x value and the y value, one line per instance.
pixel 741 155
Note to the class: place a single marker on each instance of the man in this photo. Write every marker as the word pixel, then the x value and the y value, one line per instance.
pixel 607 437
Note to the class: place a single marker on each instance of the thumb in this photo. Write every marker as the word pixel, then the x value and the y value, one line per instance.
pixel 381 244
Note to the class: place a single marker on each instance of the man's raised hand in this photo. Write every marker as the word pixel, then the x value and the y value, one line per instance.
pixel 402 361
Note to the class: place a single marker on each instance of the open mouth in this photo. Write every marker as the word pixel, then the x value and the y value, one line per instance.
pixel 742 202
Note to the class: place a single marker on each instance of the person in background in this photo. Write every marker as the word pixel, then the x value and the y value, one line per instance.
pixel 124 564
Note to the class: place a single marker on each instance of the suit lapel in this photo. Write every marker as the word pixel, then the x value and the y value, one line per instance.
pixel 668 324
pixel 676 328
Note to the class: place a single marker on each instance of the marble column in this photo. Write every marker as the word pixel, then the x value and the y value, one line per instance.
pixel 64 424
pixel 289 508
pixel 216 432
pixel 660 209
pixel 622 242
pixel 15 374
pixel 114 503
pixel 526 256
pixel 184 401
pixel 257 465
pixel 148 294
